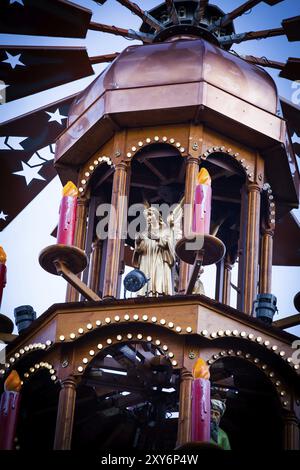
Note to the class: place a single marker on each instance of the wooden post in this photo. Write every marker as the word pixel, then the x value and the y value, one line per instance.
pixel 72 294
pixel 249 249
pixel 117 221
pixel 65 415
pixel 185 408
pixel 219 281
pixel 95 265
pixel 226 282
pixel 291 431
pixel 192 169
pixel 266 258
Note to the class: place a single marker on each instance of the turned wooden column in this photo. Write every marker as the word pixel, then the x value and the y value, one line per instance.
pixel 291 432
pixel 249 248
pixel 95 265
pixel 117 224
pixel 219 281
pixel 226 282
pixel 266 259
pixel 185 408
pixel 72 295
pixel 65 415
pixel 192 169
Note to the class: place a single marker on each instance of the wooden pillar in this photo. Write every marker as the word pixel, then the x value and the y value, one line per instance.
pixel 266 259
pixel 219 281
pixel 95 265
pixel 192 169
pixel 185 408
pixel 72 295
pixel 117 223
pixel 249 249
pixel 226 282
pixel 291 432
pixel 65 415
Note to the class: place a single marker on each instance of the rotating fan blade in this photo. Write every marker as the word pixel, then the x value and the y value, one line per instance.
pixel 291 113
pixel 144 15
pixel 172 11
pixel 240 11
pixel 27 153
pixel 291 70
pixel 291 28
pixel 296 147
pixel 126 33
pixel 59 18
pixel 200 10
pixel 26 70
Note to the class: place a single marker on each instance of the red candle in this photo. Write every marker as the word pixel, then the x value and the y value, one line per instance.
pixel 202 203
pixel 9 410
pixel 2 272
pixel 201 402
pixel 67 215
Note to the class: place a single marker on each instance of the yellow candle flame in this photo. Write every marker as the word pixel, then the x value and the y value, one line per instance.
pixel 3 256
pixel 13 382
pixel 201 370
pixel 70 189
pixel 203 177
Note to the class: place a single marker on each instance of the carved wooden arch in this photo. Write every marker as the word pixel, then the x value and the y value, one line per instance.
pixel 244 165
pixel 169 343
pixel 108 156
pixel 37 367
pixel 279 383
pixel 24 351
pixel 251 338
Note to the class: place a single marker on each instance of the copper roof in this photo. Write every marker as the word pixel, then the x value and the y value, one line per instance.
pixel 182 61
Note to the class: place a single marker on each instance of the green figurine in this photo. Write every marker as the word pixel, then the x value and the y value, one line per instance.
pixel 218 436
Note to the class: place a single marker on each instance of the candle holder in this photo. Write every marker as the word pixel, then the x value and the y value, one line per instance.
pixel 212 250
pixel 67 261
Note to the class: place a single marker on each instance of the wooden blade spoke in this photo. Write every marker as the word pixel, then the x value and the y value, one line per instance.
pixel 200 10
pixel 263 61
pixel 99 59
pixel 144 15
pixel 172 11
pixel 129 33
pixel 251 35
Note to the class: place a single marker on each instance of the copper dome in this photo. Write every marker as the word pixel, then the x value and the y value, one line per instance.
pixel 185 79
pixel 178 62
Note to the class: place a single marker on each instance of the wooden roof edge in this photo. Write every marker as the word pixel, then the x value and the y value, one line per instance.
pixel 175 299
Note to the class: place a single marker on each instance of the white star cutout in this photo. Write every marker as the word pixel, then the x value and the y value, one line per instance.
pixel 3 216
pixel 20 2
pixel 11 143
pixel 13 60
pixel 29 173
pixel 3 85
pixel 56 116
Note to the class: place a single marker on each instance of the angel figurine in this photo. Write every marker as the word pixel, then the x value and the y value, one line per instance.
pixel 154 252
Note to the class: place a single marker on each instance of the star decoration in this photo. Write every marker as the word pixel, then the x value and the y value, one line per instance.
pixel 56 116
pixel 29 173
pixel 13 60
pixel 11 143
pixel 3 85
pixel 20 2
pixel 3 216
